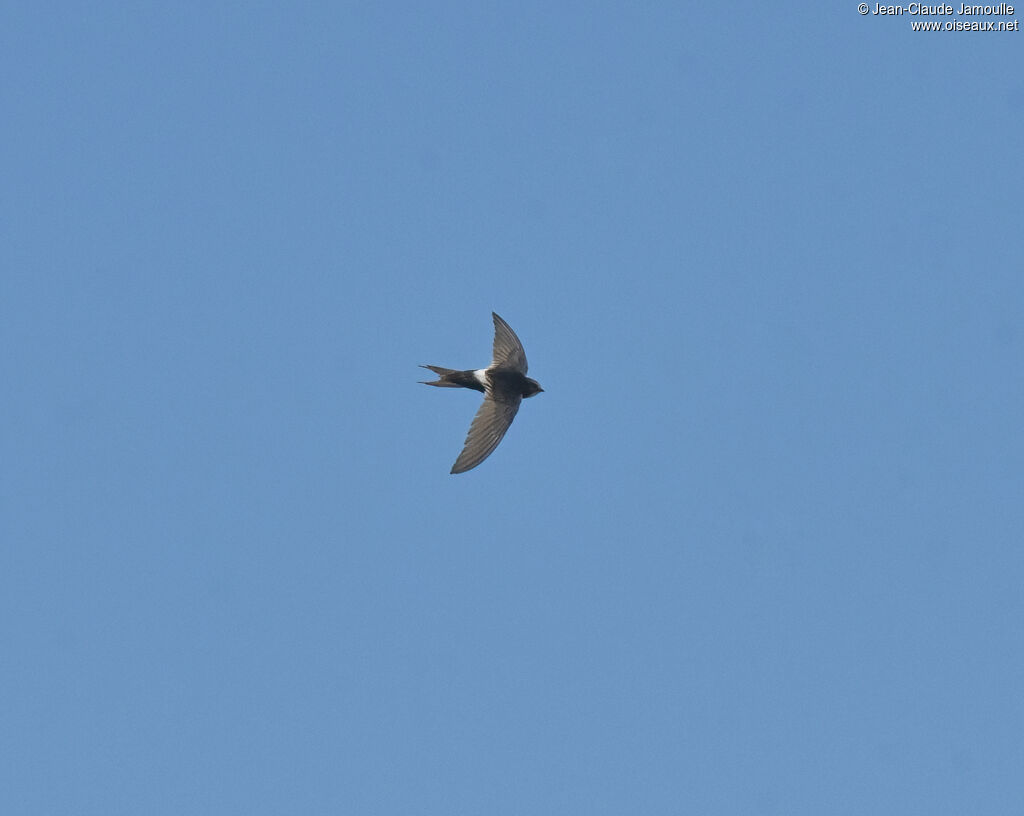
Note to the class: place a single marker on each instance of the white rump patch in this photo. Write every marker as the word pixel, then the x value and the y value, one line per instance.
pixel 479 374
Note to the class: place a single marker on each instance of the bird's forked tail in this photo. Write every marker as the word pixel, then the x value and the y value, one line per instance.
pixel 443 374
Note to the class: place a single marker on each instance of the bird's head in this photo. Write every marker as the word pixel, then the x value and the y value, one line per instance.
pixel 532 388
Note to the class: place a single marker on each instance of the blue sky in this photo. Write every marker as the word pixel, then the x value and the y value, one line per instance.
pixel 756 549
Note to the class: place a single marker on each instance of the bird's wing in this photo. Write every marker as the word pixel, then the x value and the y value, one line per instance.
pixel 489 426
pixel 508 351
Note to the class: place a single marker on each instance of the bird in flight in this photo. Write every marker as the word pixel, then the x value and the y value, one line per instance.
pixel 504 384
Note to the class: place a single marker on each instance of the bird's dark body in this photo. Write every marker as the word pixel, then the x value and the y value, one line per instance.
pixel 502 380
pixel 506 381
